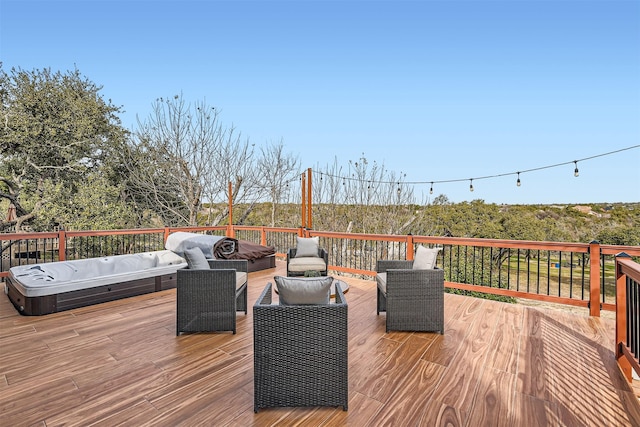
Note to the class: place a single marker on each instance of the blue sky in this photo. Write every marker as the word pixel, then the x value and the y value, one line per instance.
pixel 436 90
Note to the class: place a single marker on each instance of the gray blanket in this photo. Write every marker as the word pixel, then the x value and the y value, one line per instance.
pixel 211 246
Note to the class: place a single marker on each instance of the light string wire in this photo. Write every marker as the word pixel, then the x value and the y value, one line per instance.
pixel 518 173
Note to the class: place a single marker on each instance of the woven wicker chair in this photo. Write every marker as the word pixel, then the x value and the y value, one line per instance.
pixel 207 300
pixel 298 266
pixel 412 299
pixel 300 353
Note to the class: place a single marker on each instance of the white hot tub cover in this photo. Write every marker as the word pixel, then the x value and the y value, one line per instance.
pixel 64 276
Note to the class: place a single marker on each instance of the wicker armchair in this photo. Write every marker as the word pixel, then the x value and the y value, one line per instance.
pixel 300 353
pixel 207 300
pixel 298 266
pixel 412 299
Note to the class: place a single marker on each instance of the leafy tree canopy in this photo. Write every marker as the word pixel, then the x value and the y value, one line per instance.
pixel 56 128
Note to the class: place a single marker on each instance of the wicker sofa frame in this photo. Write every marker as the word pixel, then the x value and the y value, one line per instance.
pixel 207 300
pixel 322 253
pixel 414 299
pixel 300 353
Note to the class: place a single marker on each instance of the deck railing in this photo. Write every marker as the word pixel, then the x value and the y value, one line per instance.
pixel 628 314
pixel 577 274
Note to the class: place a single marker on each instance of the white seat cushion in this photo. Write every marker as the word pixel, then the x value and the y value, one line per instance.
pixel 241 279
pixel 381 279
pixel 306 264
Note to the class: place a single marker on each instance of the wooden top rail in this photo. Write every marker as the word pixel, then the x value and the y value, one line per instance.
pixel 359 236
pixel 462 241
pixel 628 267
pixel 89 233
pixel 616 249
pixel 193 229
pixel 269 229
pixel 25 236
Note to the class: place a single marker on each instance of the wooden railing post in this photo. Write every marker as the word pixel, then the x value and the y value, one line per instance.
pixel 166 234
pixel 309 205
pixel 303 203
pixel 409 249
pixel 621 318
pixel 62 245
pixel 594 278
pixel 263 236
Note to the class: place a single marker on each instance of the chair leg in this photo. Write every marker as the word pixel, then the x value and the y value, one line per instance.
pixel 246 291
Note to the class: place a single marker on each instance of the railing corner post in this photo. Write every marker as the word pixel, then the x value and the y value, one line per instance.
pixel 594 278
pixel 621 318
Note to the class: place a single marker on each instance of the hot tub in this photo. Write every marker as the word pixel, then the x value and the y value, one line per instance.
pixel 39 289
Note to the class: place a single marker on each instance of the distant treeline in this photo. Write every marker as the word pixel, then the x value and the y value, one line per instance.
pixel 616 223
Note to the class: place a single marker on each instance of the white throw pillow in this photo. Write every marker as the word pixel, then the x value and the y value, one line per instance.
pixel 425 258
pixel 303 290
pixel 307 246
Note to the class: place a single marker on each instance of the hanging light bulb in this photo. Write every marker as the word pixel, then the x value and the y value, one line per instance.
pixel 471 185
pixel 431 189
pixel 576 172
pixel 518 181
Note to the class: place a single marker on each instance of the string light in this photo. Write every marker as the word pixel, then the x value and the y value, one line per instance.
pixel 576 172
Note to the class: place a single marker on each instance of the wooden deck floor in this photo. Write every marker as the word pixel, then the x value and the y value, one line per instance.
pixel 497 364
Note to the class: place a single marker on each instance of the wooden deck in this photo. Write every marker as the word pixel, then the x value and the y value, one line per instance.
pixel 497 364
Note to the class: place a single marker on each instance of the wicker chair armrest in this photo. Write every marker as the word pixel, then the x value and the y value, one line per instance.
pixel 383 265
pixel 266 296
pixel 340 300
pixel 235 264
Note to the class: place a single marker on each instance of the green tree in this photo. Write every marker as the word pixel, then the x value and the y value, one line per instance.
pixel 620 235
pixel 56 129
pixel 95 204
